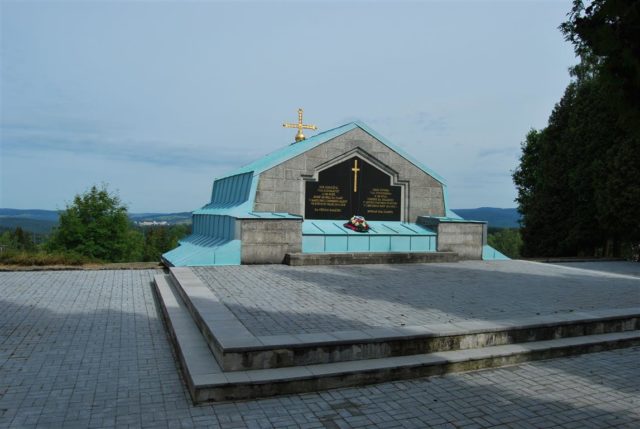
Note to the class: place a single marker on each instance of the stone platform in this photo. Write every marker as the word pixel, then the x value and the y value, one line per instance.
pixel 349 258
pixel 242 332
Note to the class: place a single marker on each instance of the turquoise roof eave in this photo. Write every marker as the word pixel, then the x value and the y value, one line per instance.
pixel 380 227
pixel 222 205
pixel 283 154
pixel 448 212
pixel 456 219
pixel 242 212
pixel 491 254
pixel 401 152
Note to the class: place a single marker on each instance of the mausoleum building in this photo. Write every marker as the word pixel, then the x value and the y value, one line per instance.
pixel 296 200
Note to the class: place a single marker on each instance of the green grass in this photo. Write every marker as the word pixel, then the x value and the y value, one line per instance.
pixel 40 258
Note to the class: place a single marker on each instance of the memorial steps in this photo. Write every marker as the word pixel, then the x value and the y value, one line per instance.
pixel 221 360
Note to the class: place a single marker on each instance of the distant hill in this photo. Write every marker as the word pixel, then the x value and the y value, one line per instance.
pixel 37 226
pixel 497 218
pixel 43 221
pixel 35 214
pixel 172 218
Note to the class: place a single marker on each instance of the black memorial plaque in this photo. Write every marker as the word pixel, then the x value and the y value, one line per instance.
pixel 353 187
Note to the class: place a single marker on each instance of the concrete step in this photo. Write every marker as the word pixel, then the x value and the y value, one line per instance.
pixel 237 349
pixel 227 338
pixel 299 259
pixel 196 360
pixel 207 382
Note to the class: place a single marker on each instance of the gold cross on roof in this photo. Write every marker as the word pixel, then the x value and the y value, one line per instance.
pixel 300 126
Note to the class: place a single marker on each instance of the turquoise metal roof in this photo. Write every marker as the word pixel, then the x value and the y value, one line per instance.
pixel 198 250
pixel 330 227
pixel 449 213
pixel 242 212
pixel 454 219
pixel 321 236
pixel 279 156
pixel 234 194
pixel 491 254
pixel 231 191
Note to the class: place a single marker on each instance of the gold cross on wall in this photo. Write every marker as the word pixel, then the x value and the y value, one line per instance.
pixel 355 170
pixel 300 126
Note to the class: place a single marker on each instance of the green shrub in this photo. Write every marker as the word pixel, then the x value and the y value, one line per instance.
pixel 507 241
pixel 96 225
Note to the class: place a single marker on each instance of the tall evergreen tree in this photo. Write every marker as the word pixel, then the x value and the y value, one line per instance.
pixel 578 187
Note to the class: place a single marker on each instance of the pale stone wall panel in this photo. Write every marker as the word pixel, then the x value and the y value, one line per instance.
pixel 266 241
pixel 280 188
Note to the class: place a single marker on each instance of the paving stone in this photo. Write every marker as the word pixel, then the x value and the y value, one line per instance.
pixel 280 300
pixel 89 349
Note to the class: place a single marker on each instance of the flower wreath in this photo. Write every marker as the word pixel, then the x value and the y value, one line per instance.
pixel 358 224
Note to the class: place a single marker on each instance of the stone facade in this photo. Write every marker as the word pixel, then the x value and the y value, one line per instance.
pixel 464 238
pixel 267 241
pixel 282 188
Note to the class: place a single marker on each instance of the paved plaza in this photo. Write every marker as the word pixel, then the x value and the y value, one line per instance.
pixel 618 267
pixel 89 349
pixel 278 299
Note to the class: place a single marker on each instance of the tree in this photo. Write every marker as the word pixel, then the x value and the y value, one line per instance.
pixel 18 239
pixel 606 36
pixel 161 239
pixel 578 179
pixel 506 241
pixel 96 225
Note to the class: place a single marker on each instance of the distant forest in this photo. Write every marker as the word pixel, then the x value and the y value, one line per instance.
pixel 32 237
pixel 42 222
pixel 96 228
pixel 497 218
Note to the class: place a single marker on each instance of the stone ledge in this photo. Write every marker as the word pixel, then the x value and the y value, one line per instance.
pixel 220 328
pixel 300 259
pixel 237 349
pixel 191 350
pixel 207 381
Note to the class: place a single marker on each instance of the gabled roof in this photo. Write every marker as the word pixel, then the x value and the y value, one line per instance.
pixel 281 155
pixel 241 184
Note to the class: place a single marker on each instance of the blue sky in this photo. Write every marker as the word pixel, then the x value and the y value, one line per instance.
pixel 156 99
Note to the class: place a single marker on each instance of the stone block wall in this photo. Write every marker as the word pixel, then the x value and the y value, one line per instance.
pixel 464 238
pixel 282 188
pixel 267 241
